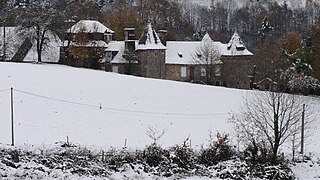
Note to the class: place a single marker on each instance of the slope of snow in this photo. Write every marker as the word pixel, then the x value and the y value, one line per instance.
pixel 52 102
pixel 99 109
pixel 130 105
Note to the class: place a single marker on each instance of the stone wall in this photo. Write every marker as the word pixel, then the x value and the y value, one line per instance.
pixel 152 63
pixel 235 71
pixel 173 72
pixel 123 69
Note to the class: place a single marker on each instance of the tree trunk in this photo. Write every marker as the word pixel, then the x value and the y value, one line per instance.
pixel 38 39
pixel 39 51
pixel 276 137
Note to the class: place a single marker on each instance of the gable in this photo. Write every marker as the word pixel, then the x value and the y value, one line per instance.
pixel 89 26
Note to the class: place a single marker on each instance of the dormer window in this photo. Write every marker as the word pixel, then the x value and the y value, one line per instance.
pixel 180 55
pixel 240 47
pixel 199 55
pixel 229 46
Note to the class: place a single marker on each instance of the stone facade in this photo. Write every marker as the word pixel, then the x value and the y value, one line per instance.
pixel 176 60
pixel 173 72
pixel 122 68
pixel 85 44
pixel 236 71
pixel 194 73
pixel 152 63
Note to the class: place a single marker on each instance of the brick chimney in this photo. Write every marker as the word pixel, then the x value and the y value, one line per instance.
pixel 130 42
pixel 163 36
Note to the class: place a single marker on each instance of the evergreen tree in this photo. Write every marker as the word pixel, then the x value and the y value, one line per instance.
pixel 265 29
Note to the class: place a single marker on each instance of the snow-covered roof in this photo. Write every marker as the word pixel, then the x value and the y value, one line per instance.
pixel 149 39
pixel 115 45
pixel 14 41
pixel 51 53
pixel 236 47
pixel 267 79
pixel 9 32
pixel 181 52
pixel 118 46
pixel 119 57
pixel 89 44
pixel 89 26
pixel 206 38
pixel 184 52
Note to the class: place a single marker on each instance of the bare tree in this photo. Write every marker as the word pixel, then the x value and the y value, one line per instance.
pixel 155 134
pixel 269 119
pixel 5 13
pixel 37 21
pixel 207 56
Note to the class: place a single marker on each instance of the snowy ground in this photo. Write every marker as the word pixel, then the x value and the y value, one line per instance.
pixel 129 106
pixel 52 102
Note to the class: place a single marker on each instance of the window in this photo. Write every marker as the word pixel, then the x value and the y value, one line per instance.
pixel 183 71
pixel 217 70
pixel 266 86
pixel 199 55
pixel 115 69
pixel 203 72
pixel 108 56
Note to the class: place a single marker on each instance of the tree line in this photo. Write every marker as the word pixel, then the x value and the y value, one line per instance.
pixel 285 41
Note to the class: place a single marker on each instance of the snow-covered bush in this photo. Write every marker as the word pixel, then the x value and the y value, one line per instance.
pixel 153 162
pixel 219 150
pixel 154 155
pixel 239 169
pixel 116 159
pixel 304 84
pixel 257 152
pixel 270 171
pixel 182 156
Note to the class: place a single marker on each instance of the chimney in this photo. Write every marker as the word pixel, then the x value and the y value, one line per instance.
pixel 129 37
pixel 163 36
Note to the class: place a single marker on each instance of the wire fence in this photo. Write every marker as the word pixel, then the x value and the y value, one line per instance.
pixel 140 113
pixel 4 90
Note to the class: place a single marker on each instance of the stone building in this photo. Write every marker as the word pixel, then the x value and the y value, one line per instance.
pixel 236 64
pixel 145 57
pixel 85 44
pixel 151 54
pixel 206 61
pixel 210 62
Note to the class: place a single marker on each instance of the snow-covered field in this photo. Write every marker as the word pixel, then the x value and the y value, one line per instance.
pixel 52 102
pixel 102 110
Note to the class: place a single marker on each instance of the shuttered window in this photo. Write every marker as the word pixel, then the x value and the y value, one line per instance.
pixel 203 72
pixel 115 69
pixel 183 71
